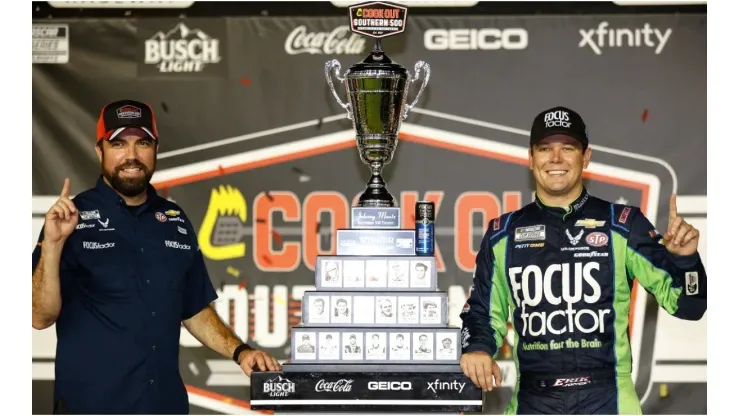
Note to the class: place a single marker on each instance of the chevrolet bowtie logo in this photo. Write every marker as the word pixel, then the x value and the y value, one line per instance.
pixel 589 223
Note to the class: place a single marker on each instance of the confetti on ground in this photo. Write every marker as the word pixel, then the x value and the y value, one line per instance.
pixel 663 391
pixel 279 300
pixel 645 114
pixel 266 259
pixel 233 271
pixel 242 284
pixel 261 221
pixel 221 170
pixel 246 81
pixel 269 197
pixel 165 107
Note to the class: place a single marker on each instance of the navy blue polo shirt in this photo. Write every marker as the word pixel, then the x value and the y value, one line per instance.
pixel 128 278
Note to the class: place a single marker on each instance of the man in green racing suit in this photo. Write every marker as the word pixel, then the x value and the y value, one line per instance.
pixel 564 267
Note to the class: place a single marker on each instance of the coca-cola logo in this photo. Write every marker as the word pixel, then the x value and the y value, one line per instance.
pixel 338 386
pixel 339 41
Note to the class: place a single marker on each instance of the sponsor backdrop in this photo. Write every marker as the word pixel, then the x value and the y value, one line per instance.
pixel 250 131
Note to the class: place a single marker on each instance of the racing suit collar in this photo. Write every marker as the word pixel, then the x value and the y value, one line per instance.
pixel 560 212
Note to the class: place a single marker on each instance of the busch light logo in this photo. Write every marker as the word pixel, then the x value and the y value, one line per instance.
pixel 181 49
pixel 278 387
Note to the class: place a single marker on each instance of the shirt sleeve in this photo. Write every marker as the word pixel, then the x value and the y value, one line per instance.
pixel 67 262
pixel 484 316
pixel 679 283
pixel 199 291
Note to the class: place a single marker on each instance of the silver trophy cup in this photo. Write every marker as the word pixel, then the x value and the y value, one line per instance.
pixel 377 89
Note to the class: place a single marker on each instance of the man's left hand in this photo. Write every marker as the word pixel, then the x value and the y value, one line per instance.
pixel 681 239
pixel 256 360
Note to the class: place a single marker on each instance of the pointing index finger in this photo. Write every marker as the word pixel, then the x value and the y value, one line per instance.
pixel 672 210
pixel 65 188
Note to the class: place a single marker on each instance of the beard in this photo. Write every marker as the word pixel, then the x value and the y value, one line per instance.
pixel 129 187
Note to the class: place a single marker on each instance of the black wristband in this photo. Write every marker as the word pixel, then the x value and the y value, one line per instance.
pixel 241 348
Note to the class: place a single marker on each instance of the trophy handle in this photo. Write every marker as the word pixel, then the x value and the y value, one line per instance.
pixel 336 66
pixel 418 67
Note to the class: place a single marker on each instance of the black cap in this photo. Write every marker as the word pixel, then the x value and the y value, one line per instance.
pixel 118 115
pixel 558 120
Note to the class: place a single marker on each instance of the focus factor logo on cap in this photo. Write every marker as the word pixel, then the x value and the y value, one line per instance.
pixel 559 118
pixel 128 111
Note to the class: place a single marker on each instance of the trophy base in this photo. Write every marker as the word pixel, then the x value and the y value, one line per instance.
pixel 342 389
pixel 376 195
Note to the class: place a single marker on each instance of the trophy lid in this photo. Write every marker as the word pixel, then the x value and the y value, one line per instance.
pixel 378 60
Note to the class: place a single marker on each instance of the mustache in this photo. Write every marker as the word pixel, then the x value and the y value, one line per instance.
pixel 131 164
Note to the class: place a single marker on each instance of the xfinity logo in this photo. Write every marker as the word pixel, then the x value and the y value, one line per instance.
pixel 389 385
pixel 445 385
pixel 476 39
pixel 96 246
pixel 175 244
pixel 605 37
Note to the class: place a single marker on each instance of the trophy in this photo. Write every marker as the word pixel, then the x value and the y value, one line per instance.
pixel 376 89
pixel 374 334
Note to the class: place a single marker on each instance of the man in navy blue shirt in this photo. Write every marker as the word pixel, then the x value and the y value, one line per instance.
pixel 119 270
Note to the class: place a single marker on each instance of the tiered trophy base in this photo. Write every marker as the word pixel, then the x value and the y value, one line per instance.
pixel 428 388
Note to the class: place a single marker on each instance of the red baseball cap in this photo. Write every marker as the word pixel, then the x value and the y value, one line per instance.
pixel 120 115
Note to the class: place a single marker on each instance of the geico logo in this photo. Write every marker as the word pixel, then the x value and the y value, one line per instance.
pixel 175 244
pixel 97 246
pixel 476 39
pixel 389 385
pixel 531 284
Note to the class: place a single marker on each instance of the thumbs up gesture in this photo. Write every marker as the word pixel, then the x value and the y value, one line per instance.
pixel 62 217
pixel 681 239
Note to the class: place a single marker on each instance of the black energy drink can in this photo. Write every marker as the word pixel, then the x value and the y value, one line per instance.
pixel 424 223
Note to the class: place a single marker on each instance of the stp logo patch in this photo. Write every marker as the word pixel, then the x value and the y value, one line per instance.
pixel 597 239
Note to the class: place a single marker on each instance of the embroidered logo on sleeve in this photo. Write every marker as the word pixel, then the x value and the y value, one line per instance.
pixel 692 283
